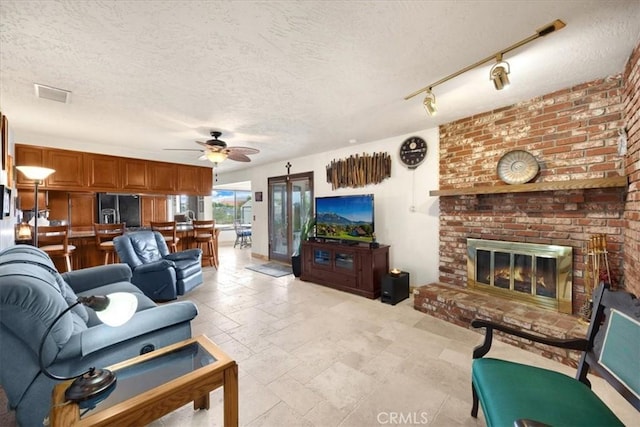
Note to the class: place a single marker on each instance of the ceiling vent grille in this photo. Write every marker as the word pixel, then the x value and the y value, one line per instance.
pixel 52 93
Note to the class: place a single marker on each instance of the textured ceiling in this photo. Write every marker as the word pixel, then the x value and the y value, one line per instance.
pixel 286 77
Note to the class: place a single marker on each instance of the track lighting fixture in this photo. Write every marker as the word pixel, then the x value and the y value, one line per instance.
pixel 429 103
pixel 499 73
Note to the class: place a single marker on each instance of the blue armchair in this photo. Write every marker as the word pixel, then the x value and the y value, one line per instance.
pixel 33 294
pixel 161 275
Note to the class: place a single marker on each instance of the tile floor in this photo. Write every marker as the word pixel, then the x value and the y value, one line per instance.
pixel 313 356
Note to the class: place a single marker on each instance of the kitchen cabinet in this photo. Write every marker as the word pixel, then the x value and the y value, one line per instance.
pixel 154 208
pixel 26 199
pixel 188 180
pixel 68 166
pixel 27 155
pixel 194 180
pixel 82 210
pixel 103 172
pixel 69 169
pixel 134 174
pixel 162 177
pixel 81 171
pixel 205 181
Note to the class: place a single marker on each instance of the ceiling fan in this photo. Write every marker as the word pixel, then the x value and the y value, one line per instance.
pixel 216 150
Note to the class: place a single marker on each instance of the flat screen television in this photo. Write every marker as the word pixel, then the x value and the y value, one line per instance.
pixel 345 218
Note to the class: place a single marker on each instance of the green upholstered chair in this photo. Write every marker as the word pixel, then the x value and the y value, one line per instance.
pixel 514 394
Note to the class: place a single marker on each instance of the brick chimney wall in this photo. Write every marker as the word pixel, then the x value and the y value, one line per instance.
pixel 573 134
pixel 632 209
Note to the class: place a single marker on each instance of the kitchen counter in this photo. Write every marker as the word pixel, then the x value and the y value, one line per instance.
pixel 88 255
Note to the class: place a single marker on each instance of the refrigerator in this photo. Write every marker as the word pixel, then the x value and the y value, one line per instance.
pixel 117 208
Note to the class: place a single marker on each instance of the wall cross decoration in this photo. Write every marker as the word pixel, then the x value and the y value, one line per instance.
pixel 358 171
pixel 288 166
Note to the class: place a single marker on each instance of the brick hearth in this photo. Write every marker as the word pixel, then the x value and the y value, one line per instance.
pixel 461 305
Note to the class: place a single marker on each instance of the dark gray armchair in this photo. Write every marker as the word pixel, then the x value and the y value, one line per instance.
pixel 33 294
pixel 161 275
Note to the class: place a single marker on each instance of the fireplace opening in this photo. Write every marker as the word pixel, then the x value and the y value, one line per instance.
pixel 539 274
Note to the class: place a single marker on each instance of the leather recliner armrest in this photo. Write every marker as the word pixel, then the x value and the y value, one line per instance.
pixel 193 254
pixel 160 265
pixel 89 278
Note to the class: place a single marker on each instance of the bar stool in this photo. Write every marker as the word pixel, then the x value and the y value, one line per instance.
pixel 105 233
pixel 169 232
pixel 204 233
pixel 54 240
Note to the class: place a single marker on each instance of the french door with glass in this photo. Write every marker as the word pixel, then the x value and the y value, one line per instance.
pixel 290 204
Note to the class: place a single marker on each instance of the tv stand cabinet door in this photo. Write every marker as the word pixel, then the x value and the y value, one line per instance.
pixel 354 269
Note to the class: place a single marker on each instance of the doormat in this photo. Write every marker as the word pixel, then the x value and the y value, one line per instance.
pixel 272 269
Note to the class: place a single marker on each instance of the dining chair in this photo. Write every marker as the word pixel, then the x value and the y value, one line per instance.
pixel 243 235
pixel 169 232
pixel 54 240
pixel 204 234
pixel 104 234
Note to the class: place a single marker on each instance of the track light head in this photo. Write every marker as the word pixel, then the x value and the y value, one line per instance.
pixel 499 73
pixel 429 103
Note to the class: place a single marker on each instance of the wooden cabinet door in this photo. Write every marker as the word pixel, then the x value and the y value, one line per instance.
pixel 82 207
pixel 154 208
pixel 146 210
pixel 103 172
pixel 69 170
pixel 160 208
pixel 161 177
pixel 27 155
pixel 27 198
pixel 205 181
pixel 188 179
pixel 58 205
pixel 134 174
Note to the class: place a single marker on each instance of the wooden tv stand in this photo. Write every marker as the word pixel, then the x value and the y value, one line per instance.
pixel 357 269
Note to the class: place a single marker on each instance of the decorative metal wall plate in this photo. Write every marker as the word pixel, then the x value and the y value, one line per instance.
pixel 517 167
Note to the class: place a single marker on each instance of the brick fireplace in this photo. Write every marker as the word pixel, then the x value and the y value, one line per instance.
pixel 573 134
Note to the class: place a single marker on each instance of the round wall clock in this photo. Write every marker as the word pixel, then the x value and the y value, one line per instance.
pixel 413 151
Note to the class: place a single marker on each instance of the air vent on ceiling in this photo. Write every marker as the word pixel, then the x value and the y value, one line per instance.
pixel 52 93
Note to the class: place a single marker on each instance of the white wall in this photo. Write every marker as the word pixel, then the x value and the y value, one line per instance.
pixel 412 234
pixel 7 224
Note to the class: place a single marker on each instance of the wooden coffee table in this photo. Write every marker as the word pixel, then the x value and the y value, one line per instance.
pixel 155 384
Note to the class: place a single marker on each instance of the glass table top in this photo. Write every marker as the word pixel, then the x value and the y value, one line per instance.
pixel 140 377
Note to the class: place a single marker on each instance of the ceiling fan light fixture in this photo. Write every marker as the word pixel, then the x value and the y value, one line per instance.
pixel 216 156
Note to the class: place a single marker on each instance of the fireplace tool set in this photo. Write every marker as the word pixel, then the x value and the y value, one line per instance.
pixel 597 270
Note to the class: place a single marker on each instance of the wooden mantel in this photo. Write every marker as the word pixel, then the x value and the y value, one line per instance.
pixel 577 184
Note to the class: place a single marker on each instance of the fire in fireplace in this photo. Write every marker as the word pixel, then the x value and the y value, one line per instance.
pixel 538 274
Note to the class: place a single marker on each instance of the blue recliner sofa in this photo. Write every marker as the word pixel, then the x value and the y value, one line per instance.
pixel 161 275
pixel 33 294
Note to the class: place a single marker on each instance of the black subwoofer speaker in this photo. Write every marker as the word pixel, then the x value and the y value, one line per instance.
pixel 394 288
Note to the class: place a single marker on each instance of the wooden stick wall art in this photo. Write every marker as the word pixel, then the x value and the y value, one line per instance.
pixel 358 171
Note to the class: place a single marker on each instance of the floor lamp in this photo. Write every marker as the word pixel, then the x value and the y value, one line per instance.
pixel 37 174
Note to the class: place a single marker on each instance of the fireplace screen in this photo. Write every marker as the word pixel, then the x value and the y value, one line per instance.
pixel 538 274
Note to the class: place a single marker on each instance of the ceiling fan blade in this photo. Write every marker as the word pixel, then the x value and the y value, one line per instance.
pixel 244 150
pixel 183 149
pixel 204 144
pixel 238 157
